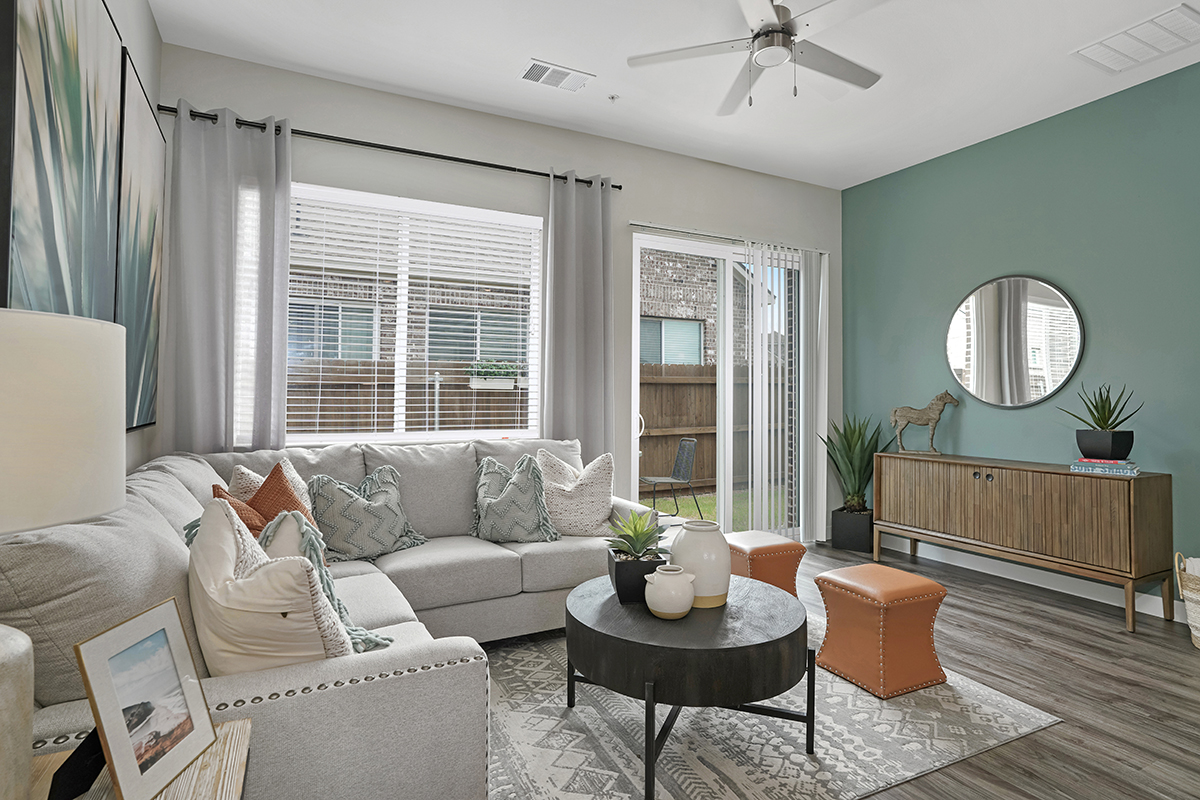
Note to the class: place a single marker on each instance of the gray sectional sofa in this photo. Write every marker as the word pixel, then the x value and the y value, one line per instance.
pixel 407 721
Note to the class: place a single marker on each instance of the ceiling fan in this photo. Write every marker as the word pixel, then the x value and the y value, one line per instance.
pixel 778 37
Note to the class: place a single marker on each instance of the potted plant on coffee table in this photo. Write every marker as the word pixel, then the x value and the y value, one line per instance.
pixel 852 450
pixel 1101 439
pixel 633 554
pixel 489 374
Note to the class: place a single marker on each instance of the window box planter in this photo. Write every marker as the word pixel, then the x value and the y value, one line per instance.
pixel 493 384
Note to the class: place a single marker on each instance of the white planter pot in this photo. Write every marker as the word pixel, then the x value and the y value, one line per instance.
pixel 669 594
pixel 493 384
pixel 701 549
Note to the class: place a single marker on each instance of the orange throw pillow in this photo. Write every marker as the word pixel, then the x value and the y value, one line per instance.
pixel 274 497
pixel 253 520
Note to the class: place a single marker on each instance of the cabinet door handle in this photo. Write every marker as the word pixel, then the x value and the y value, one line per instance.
pixel 989 477
pixel 976 476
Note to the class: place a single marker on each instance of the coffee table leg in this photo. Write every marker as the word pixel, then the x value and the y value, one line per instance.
pixel 651 734
pixel 812 697
pixel 570 684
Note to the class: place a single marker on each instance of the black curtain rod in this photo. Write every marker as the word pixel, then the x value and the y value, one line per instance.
pixel 389 148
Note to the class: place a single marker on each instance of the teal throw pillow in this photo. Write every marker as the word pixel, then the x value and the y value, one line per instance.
pixel 362 522
pixel 511 506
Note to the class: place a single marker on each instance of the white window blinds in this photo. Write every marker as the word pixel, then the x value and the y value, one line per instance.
pixel 396 310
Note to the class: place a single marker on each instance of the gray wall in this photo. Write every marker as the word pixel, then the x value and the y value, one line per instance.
pixel 659 187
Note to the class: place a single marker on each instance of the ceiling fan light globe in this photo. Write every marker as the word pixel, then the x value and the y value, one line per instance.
pixel 772 49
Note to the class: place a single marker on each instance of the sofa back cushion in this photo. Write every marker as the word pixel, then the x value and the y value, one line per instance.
pixel 193 473
pixel 341 461
pixel 68 583
pixel 167 495
pixel 437 484
pixel 509 451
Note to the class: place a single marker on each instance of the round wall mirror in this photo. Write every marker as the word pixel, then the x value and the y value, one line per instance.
pixel 1014 341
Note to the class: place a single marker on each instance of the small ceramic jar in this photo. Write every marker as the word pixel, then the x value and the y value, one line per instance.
pixel 669 594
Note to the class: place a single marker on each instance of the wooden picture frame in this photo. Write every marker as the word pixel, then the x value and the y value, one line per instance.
pixel 146 700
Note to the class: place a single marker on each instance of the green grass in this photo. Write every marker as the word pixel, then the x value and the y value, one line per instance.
pixel 708 505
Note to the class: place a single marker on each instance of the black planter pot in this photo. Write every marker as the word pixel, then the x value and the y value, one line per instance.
pixel 1108 445
pixel 629 577
pixel 853 530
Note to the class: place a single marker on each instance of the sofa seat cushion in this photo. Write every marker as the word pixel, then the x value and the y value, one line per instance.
pixel 341 461
pixel 373 601
pixel 509 451
pixel 68 583
pixel 452 570
pixel 437 484
pixel 560 565
pixel 345 569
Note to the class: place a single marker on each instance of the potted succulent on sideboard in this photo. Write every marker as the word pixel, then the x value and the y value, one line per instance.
pixel 1101 439
pixel 633 554
pixel 489 374
pixel 852 451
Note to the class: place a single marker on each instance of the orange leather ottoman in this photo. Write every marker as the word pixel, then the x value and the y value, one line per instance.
pixel 879 628
pixel 767 557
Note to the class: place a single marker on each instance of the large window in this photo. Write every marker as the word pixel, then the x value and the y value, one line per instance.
pixel 390 304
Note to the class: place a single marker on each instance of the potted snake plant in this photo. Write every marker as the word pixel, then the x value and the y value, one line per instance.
pixel 852 450
pixel 633 554
pixel 1100 439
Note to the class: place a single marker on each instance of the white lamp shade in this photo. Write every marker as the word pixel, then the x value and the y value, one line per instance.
pixel 62 419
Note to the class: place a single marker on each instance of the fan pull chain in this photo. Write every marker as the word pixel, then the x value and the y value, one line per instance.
pixel 750 80
pixel 794 68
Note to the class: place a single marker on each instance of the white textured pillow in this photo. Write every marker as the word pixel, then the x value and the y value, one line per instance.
pixel 253 612
pixel 579 503
pixel 245 483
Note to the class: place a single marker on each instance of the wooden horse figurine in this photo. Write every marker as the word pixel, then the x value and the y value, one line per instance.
pixel 929 415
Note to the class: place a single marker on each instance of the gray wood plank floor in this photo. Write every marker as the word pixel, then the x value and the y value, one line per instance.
pixel 1130 703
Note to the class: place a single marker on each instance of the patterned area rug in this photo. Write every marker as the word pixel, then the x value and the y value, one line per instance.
pixel 542 749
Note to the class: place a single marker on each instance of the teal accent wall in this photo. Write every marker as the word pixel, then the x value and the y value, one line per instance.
pixel 1102 200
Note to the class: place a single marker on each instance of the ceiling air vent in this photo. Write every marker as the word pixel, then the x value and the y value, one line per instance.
pixel 553 75
pixel 1147 41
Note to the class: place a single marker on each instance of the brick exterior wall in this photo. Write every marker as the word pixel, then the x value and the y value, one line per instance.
pixel 682 286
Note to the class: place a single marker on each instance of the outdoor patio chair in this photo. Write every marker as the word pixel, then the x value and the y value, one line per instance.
pixel 681 473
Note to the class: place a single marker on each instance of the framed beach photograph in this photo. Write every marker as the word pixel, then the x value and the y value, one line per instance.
pixel 146 699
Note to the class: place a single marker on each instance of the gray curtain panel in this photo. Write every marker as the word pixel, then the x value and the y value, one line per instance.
pixel 224 365
pixel 1014 341
pixel 580 348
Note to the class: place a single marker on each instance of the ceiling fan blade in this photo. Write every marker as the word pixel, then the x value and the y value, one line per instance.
pixel 683 53
pixel 738 92
pixel 827 14
pixel 818 59
pixel 759 13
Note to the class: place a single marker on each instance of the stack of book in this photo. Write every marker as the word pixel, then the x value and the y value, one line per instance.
pixel 1100 466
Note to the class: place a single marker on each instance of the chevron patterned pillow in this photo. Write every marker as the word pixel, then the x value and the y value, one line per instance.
pixel 362 522
pixel 511 506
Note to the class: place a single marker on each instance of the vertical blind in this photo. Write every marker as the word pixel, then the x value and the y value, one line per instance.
pixel 397 308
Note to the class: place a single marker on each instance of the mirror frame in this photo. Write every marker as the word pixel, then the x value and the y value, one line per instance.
pixel 1074 367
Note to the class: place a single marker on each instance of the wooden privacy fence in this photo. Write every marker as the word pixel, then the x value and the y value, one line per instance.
pixel 678 401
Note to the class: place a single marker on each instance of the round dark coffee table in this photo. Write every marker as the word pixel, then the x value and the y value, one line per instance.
pixel 752 648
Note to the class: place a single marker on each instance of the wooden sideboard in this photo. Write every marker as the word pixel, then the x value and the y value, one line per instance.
pixel 1108 528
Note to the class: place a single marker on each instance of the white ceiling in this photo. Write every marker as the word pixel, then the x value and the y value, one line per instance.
pixel 955 72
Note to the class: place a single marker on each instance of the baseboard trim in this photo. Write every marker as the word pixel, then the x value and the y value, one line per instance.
pixel 1149 603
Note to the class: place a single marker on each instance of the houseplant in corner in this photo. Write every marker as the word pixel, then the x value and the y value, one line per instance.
pixel 633 554
pixel 1101 439
pixel 852 451
pixel 487 373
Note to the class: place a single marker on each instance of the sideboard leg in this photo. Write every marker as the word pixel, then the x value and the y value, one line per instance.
pixel 878 537
pixel 912 546
pixel 1130 598
pixel 1168 597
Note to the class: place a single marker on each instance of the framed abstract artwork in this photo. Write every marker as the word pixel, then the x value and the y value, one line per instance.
pixel 65 159
pixel 139 246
